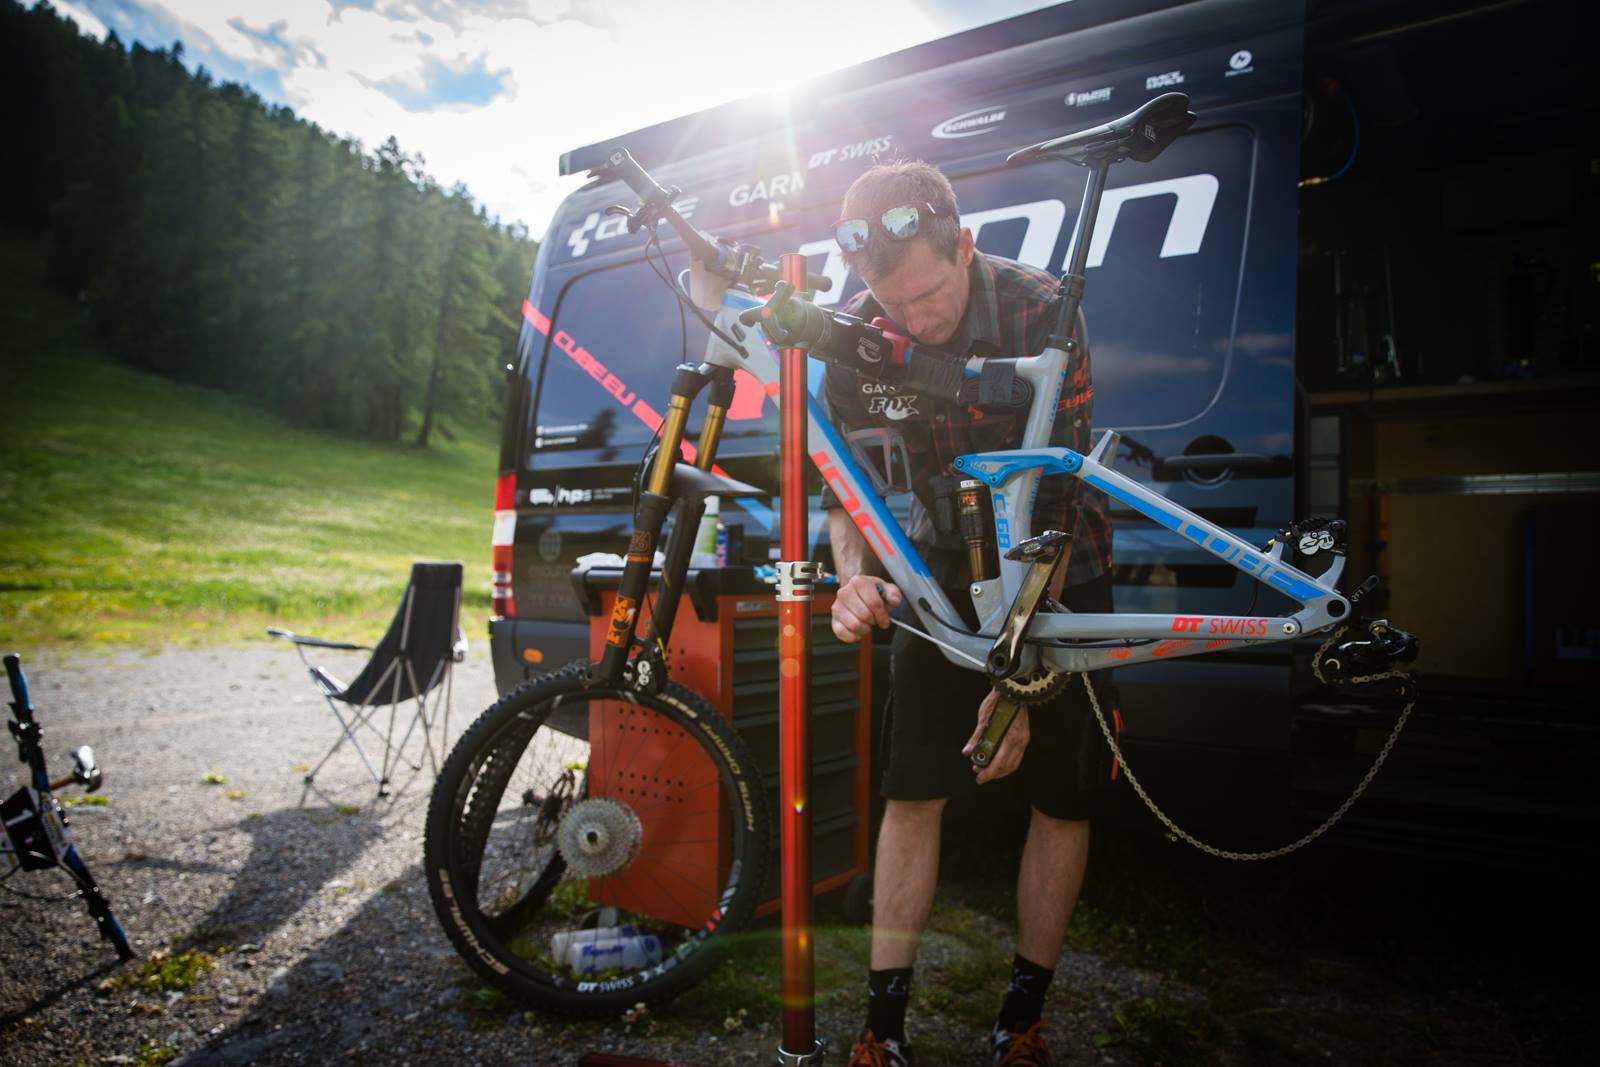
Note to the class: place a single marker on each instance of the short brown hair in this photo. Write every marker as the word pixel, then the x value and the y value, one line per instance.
pixel 886 185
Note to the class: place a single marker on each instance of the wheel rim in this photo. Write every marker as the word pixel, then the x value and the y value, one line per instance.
pixel 642 825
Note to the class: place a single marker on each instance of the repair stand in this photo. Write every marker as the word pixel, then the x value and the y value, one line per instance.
pixel 796 575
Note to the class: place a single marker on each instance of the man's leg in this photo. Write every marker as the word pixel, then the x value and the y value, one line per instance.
pixel 906 872
pixel 903 879
pixel 1047 885
pixel 1047 890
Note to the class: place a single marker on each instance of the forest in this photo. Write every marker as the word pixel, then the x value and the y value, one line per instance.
pixel 217 238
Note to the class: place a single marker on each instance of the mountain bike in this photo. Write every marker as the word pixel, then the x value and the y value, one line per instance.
pixel 531 817
pixel 34 836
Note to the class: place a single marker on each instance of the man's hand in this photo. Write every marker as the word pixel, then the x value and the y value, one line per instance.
pixel 864 601
pixel 1008 757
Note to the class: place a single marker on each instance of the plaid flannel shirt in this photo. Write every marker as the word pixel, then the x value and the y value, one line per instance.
pixel 1010 312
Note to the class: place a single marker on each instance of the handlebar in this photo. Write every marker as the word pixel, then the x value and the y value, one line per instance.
pixel 739 262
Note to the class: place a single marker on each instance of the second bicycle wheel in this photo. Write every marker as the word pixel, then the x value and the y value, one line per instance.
pixel 563 809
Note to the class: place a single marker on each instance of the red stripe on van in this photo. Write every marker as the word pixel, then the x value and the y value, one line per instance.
pixel 532 314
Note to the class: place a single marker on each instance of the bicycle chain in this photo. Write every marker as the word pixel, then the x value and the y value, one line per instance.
pixel 1283 850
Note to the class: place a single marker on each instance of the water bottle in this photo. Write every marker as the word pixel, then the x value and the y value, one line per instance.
pixel 561 944
pixel 626 953
pixel 705 537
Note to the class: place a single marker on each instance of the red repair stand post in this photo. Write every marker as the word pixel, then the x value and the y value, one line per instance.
pixel 796 575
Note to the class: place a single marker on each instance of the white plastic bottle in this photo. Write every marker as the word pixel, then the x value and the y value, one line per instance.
pixel 561 944
pixel 628 953
pixel 705 537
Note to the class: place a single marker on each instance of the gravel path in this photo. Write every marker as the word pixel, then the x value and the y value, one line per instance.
pixel 335 954
pixel 335 951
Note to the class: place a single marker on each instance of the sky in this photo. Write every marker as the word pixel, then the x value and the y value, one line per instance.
pixel 491 92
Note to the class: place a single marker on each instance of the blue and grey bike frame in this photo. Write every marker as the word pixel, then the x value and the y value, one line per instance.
pixel 1063 641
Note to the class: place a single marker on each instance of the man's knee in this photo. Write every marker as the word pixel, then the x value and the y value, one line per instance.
pixel 1052 824
pixel 913 811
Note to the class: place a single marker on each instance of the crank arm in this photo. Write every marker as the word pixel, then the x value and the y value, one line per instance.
pixel 1043 554
pixel 1005 712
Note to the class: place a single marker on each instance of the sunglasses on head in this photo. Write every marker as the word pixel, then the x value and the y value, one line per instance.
pixel 900 222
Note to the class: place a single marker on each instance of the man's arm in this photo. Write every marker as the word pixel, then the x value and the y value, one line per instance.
pixel 864 599
pixel 851 554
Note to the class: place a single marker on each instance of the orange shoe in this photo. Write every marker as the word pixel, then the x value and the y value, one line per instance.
pixel 1024 1048
pixel 868 1051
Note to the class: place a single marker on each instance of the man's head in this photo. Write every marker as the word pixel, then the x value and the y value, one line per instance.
pixel 921 282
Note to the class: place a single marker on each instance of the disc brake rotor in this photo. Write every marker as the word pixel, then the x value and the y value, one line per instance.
pixel 598 836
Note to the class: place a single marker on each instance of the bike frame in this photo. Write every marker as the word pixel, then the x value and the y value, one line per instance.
pixel 1059 641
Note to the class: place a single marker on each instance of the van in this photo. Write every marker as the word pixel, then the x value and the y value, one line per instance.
pixel 1192 307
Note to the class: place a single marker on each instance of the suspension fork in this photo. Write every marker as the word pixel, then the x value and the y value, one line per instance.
pixel 655 501
pixel 688 510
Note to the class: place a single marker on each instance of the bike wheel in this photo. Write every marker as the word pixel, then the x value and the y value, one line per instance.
pixel 564 806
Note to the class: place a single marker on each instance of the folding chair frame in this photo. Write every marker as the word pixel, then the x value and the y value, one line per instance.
pixel 364 713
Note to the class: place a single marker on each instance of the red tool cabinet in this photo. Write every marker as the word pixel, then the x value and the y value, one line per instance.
pixel 724 647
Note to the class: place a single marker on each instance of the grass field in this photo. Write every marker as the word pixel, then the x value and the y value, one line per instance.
pixel 139 510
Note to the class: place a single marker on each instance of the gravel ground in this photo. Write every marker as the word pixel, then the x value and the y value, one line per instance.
pixel 335 954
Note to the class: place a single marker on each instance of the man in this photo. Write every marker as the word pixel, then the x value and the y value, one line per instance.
pixel 902 234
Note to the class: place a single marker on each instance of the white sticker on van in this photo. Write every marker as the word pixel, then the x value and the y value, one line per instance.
pixel 872 146
pixel 767 189
pixel 594 228
pixel 1087 97
pixel 970 123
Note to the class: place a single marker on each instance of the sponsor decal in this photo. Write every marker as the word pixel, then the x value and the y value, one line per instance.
pixel 1002 520
pixel 872 146
pixel 970 123
pixel 540 496
pixel 622 614
pixel 1232 626
pixel 886 401
pixel 1186 624
pixel 1088 97
pixel 1167 648
pixel 1164 81
pixel 767 189
pixel 1239 63
pixel 595 227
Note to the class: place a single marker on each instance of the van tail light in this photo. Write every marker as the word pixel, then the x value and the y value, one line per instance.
pixel 505 534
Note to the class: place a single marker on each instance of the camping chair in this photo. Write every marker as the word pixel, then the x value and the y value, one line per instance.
pixel 413 660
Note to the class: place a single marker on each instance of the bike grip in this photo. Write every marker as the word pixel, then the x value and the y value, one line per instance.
pixel 819 283
pixel 19 683
pixel 620 163
pixel 1005 712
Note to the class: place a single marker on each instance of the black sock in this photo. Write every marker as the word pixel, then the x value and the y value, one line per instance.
pixel 1024 1001
pixel 887 995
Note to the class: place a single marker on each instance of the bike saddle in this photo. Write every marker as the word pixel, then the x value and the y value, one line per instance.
pixel 1141 135
pixel 692 481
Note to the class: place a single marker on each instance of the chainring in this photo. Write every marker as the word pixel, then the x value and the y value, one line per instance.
pixel 1036 686
pixel 598 836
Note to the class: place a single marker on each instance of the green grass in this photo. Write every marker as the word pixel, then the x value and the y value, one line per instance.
pixel 139 510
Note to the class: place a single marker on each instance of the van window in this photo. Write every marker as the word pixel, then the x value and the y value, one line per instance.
pixel 614 341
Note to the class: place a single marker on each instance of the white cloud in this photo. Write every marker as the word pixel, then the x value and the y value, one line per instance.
pixel 86 21
pixel 570 72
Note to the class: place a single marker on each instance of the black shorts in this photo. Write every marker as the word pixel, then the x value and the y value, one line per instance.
pixel 936 709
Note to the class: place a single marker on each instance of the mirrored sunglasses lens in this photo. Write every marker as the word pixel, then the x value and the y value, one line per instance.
pixel 901 222
pixel 852 235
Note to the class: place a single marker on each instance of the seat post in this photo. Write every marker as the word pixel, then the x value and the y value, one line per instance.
pixel 1069 293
